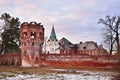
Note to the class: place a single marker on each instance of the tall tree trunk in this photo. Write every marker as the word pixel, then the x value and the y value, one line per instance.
pixel 117 41
pixel 111 45
pixel 111 49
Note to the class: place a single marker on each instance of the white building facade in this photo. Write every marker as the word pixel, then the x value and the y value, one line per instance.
pixel 52 44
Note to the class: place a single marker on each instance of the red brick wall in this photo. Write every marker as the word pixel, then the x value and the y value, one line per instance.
pixel 64 60
pixel 10 59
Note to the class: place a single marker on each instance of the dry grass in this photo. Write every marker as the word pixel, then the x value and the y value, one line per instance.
pixel 109 69
pixel 44 70
pixel 22 70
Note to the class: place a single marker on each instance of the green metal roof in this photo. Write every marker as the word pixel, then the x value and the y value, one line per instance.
pixel 53 35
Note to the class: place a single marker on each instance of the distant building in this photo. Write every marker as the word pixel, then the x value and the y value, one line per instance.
pixel 90 45
pixel 66 47
pixel 91 48
pixel 52 43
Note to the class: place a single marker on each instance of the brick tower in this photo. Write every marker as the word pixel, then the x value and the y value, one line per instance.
pixel 32 39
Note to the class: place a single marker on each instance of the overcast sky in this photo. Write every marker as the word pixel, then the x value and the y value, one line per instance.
pixel 75 20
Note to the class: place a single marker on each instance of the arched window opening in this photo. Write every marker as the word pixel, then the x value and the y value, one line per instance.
pixel 84 47
pixel 24 53
pixel 32 43
pixel 32 35
pixel 24 34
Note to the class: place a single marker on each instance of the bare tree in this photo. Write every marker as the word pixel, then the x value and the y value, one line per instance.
pixel 109 38
pixel 112 25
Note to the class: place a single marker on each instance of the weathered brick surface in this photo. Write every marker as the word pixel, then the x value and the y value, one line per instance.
pixel 10 59
pixel 62 60
pixel 32 39
pixel 68 60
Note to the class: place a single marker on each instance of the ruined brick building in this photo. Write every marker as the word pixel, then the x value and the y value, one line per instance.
pixel 64 46
pixel 59 52
pixel 32 39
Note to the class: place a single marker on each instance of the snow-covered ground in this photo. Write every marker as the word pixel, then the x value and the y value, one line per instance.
pixel 81 75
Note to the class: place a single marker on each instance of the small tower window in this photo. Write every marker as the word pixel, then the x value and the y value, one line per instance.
pixel 84 47
pixel 24 53
pixel 32 43
pixel 33 35
pixel 24 34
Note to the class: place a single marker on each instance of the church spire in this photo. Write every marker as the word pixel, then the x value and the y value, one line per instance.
pixel 53 35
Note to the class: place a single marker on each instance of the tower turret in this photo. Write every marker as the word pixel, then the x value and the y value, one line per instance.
pixel 32 39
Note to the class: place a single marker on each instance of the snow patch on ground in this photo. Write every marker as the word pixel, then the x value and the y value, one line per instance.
pixel 81 75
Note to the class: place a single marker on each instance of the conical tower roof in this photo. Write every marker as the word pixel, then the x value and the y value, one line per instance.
pixel 53 34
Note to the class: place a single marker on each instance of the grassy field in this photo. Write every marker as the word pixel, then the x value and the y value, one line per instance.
pixel 44 70
pixel 22 70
